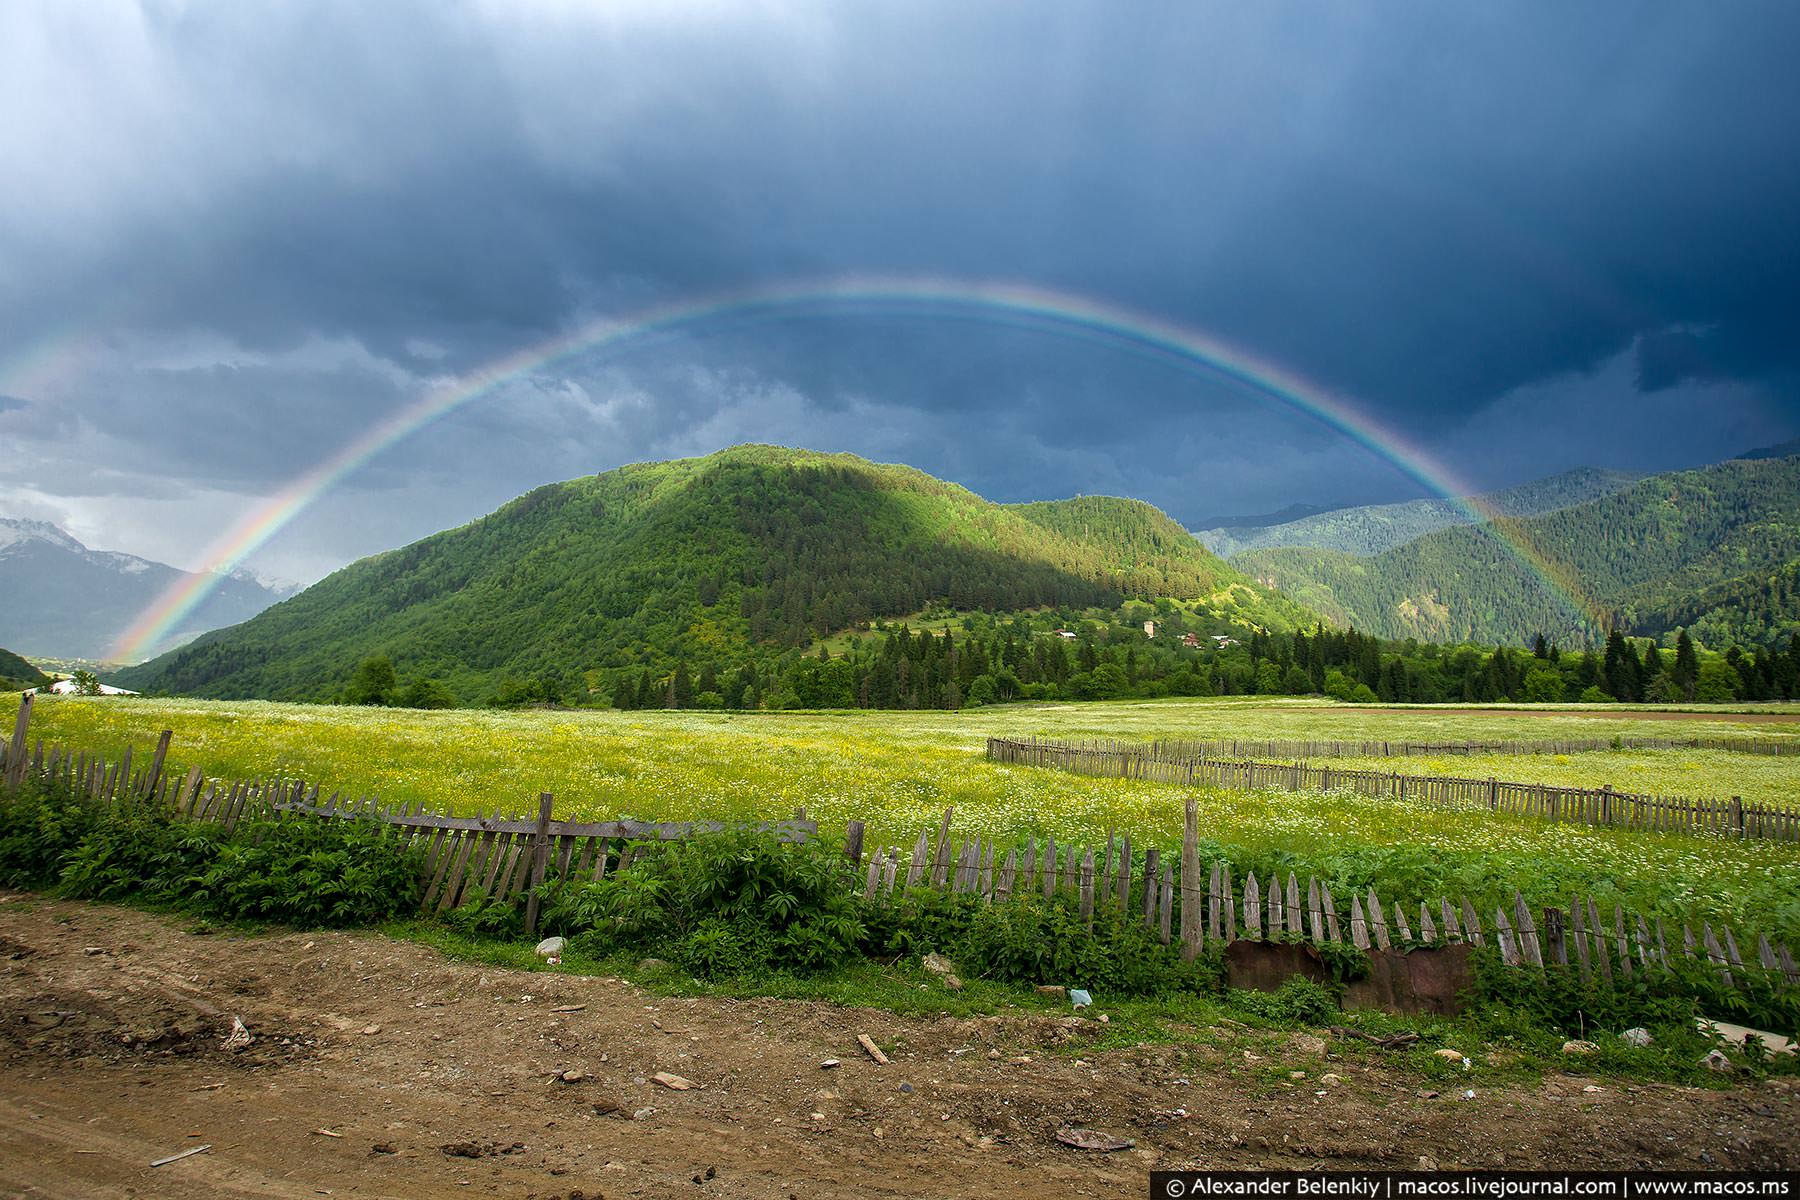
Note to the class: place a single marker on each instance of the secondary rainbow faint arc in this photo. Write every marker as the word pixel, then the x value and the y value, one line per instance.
pixel 1056 311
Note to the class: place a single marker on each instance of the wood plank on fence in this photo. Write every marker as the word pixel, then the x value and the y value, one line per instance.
pixel 1191 936
pixel 540 852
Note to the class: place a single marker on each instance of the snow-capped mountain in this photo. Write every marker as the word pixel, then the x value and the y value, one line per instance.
pixel 60 599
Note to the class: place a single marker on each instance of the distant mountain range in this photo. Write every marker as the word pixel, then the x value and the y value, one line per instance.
pixel 1373 528
pixel 59 599
pixel 1785 450
pixel 1292 512
pixel 752 550
pixel 1715 550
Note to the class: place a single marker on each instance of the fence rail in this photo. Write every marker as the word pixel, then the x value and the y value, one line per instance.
pixel 1291 748
pixel 1194 903
pixel 1587 806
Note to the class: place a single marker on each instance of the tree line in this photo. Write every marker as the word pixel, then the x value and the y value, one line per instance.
pixel 1093 655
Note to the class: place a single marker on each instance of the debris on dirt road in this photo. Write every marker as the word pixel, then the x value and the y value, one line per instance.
pixel 239 1038
pixel 188 1153
pixel 1403 1040
pixel 1092 1139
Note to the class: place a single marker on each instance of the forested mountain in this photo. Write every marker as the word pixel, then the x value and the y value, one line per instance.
pixel 59 599
pixel 16 674
pixel 706 560
pixel 1712 549
pixel 1372 528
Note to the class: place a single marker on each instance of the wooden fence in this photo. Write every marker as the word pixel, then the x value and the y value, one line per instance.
pixel 1187 902
pixel 500 856
pixel 1292 748
pixel 1587 806
pixel 1193 903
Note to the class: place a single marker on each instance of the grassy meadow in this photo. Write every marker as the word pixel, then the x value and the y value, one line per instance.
pixel 899 770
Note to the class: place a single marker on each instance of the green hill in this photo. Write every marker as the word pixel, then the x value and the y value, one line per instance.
pixel 1372 528
pixel 1714 550
pixel 710 559
pixel 16 674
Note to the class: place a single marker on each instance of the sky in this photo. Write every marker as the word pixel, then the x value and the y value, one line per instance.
pixel 233 236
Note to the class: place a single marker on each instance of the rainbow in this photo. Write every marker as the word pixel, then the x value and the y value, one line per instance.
pixel 1062 313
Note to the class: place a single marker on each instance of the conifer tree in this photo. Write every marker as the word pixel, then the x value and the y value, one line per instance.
pixel 1621 669
pixel 1687 665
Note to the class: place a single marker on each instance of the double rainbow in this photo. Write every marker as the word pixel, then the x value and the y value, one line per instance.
pixel 1061 313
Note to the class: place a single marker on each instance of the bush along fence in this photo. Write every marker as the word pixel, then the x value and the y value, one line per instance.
pixel 497 857
pixel 1291 748
pixel 1274 928
pixel 1585 806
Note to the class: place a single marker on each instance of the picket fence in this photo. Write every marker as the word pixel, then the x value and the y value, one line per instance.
pixel 1194 903
pixel 1587 806
pixel 499 856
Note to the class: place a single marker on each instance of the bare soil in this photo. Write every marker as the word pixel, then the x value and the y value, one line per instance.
pixel 381 1068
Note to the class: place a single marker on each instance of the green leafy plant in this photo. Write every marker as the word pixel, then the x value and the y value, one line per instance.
pixel 484 916
pixel 312 873
pixel 139 850
pixel 720 904
pixel 41 824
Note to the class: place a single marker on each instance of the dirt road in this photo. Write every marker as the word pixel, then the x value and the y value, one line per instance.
pixel 382 1069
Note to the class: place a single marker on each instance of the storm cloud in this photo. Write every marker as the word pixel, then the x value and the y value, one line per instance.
pixel 237 235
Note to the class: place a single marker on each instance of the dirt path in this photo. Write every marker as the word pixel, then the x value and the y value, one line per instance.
pixel 371 1057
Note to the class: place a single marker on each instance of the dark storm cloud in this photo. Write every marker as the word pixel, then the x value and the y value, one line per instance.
pixel 1433 209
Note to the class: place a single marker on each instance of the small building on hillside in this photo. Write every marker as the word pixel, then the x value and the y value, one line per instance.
pixel 1191 640
pixel 1149 629
pixel 66 687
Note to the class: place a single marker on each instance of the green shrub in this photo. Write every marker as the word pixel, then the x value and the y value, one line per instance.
pixel 1557 1004
pixel 1298 1001
pixel 139 849
pixel 41 824
pixel 1034 941
pixel 312 873
pixel 481 915
pixel 730 903
pixel 1028 940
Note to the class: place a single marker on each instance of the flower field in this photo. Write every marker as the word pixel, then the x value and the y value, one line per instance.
pixel 898 771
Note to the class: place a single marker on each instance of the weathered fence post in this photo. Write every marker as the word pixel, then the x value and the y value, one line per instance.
pixel 156 763
pixel 853 842
pixel 540 855
pixel 15 753
pixel 1190 881
pixel 1556 947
